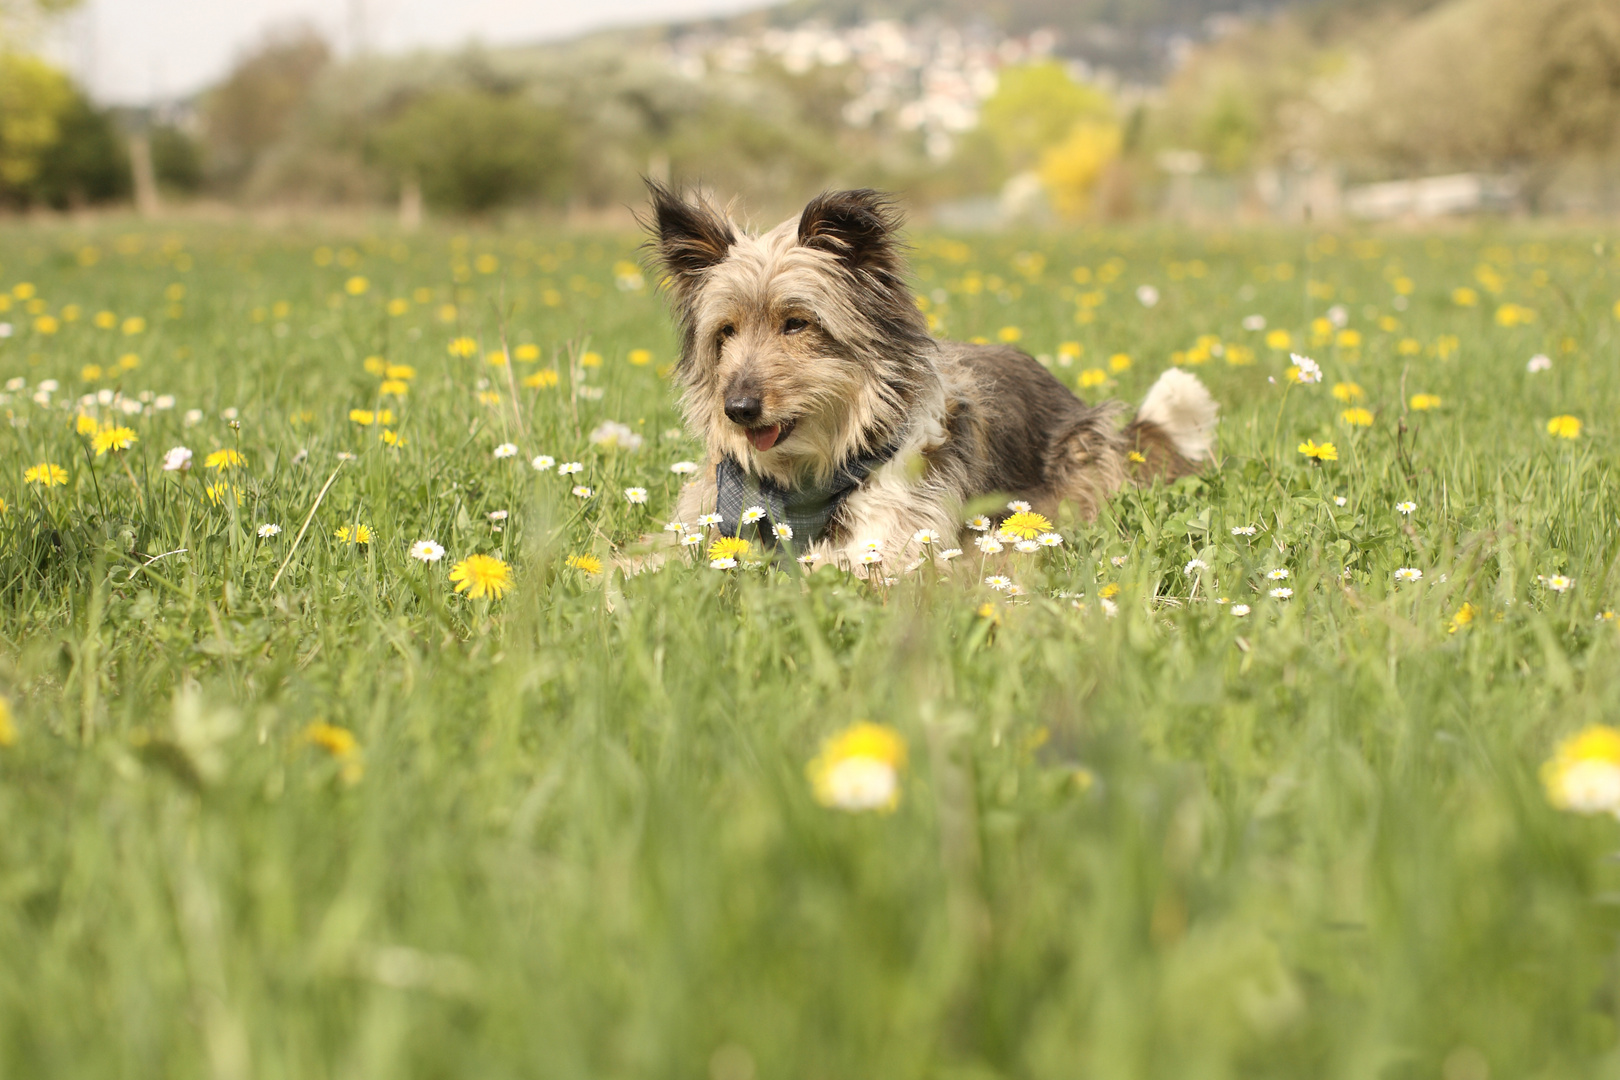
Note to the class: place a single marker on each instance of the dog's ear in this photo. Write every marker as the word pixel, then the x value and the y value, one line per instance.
pixel 861 227
pixel 688 237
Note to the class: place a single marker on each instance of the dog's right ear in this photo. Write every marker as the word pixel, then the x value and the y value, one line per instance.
pixel 688 238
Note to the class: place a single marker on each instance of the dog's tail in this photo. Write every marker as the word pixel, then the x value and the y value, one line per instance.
pixel 1180 412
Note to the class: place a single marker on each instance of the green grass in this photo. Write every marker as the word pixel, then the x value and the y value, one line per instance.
pixel 1172 843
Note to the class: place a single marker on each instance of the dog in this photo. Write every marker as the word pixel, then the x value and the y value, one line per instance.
pixel 822 399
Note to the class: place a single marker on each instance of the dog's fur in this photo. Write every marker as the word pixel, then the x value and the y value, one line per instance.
pixel 814 319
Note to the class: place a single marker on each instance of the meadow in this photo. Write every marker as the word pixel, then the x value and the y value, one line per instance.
pixel 1240 780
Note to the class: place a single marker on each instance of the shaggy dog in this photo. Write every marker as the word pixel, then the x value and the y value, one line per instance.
pixel 822 399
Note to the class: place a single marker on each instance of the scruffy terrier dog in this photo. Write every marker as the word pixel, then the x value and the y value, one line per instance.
pixel 822 398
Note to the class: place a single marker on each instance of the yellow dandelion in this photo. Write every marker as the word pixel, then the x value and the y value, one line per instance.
pixel 117 439
pixel 90 372
pixel 482 575
pixel 543 378
pixel 1348 392
pixel 86 425
pixel 495 358
pixel 1109 591
pixel 1424 402
pixel 394 388
pixel 1463 296
pixel 1319 451
pixel 1092 377
pixel 1119 362
pixel 341 744
pixel 1583 774
pixel 989 612
pixel 228 458
pixel 589 564
pixel 399 371
pixel 218 493
pixel 129 361
pixel 1136 457
pixel 8 729
pixel 105 320
pixel 859 769
pixel 640 357
pixel 728 547
pixel 462 346
pixel 363 417
pixel 1461 618
pixel 1009 334
pixel 1025 525
pixel 1357 417
pixel 390 437
pixel 374 365
pixel 1279 339
pixel 398 306
pixel 526 354
pixel 356 286
pixel 134 325
pixel 47 324
pixel 1564 427
pixel 591 359
pixel 354 534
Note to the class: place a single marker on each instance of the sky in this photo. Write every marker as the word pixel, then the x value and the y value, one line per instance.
pixel 140 51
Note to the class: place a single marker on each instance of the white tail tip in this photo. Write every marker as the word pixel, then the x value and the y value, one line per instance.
pixel 1180 406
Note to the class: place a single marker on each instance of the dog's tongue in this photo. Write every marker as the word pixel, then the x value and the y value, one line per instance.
pixel 764 438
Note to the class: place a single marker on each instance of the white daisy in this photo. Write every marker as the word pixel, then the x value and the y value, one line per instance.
pixel 1147 295
pixel 506 450
pixel 178 459
pixel 998 582
pixel 1537 363
pixel 543 462
pixel 987 544
pixel 1018 506
pixel 163 401
pixel 1193 566
pixel 1406 507
pixel 427 551
pixel 1254 322
pixel 1243 530
pixel 783 530
pixel 1408 573
pixel 948 553
pixel 637 495
pixel 267 531
pixel 582 491
pixel 1282 592
pixel 675 527
pixel 751 515
pixel 979 524
pixel 925 537
pixel 722 564
pixel 868 558
pixel 1279 574
pixel 1240 610
pixel 498 515
pixel 1309 370
pixel 569 468
pixel 1340 500
pixel 692 539
pixel 1559 583
pixel 1050 539
pixel 1109 608
pixel 1118 560
pixel 1026 546
pixel 683 468
pixel 707 520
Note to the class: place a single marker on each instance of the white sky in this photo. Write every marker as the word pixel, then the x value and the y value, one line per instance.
pixel 137 51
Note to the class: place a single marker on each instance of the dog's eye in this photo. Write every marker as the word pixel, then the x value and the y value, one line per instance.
pixel 727 330
pixel 793 326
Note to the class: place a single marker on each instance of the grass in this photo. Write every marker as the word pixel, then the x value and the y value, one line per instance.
pixel 575 837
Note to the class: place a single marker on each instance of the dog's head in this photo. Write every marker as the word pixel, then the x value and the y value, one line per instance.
pixel 801 347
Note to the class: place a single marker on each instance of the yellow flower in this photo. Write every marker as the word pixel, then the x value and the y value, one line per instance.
pixel 1583 774
pixel 1009 334
pixel 394 387
pixel 356 534
pixel 8 729
pixel 374 365
pixel 728 547
pixel 1565 427
pixel 526 354
pixel 47 324
pixel 1409 347
pixel 1348 339
pixel 1279 339
pixel 1092 377
pixel 495 358
pixel 859 769
pixel 134 325
pixel 1357 417
pixel 590 564
pixel 1463 296
pixel 90 372
pixel 990 612
pixel 1319 451
pixel 1136 457
pixel 217 493
pixel 1424 402
pixel 1119 362
pixel 462 346
pixel 399 371
pixel 398 306
pixel 392 437
pixel 105 320
pixel 228 458
pixel 640 357
pixel 118 438
pixel 1348 392
pixel 1071 349
pixel 1514 315
pixel 86 424
pixel 542 378
pixel 591 359
pixel 482 575
pixel 1025 525
pixel 341 744
pixel 129 361
pixel 45 475
pixel 1109 591
pixel 363 417
pixel 356 286
pixel 1461 618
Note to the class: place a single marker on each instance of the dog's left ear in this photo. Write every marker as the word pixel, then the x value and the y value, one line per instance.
pixel 861 227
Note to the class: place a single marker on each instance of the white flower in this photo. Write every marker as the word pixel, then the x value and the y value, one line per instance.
pixel 868 558
pixel 163 401
pixel 1243 530
pixel 673 433
pixel 808 559
pixel 872 545
pixel 178 459
pixel 1279 574
pixel 1309 370
pixel 569 468
pixel 925 537
pixel 5 331
pixel 129 407
pixel 1254 322
pixel 1147 295
pixel 1109 608
pixel 49 385
pixel 267 531
pixel 592 393
pixel 193 417
pixel 1193 566
pixel 1050 539
pixel 582 491
pixel 1340 500
pixel 506 450
pixel 1015 590
pixel 1406 507
pixel 1339 316
pixel 637 495
pixel 498 515
pixel 1018 506
pixel 998 582
pixel 344 455
pixel 611 435
pixel 979 524
pixel 751 515
pixel 427 551
pixel 707 520
pixel 1538 362
pixel 948 553
pixel 1559 583
pixel 1026 546
pixel 543 462
pixel 1118 560
pixel 230 413
pixel 691 539
pixel 1408 573
pixel 1240 610
pixel 1282 592
pixel 987 544
pixel 15 383
pixel 683 468
pixel 783 530
pixel 103 396
pixel 722 564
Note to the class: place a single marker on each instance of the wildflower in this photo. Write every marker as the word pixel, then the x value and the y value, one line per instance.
pixel 751 515
pixel 612 435
pixel 1109 608
pixel 708 520
pixel 1015 590
pixel 1279 574
pixel 1282 592
pixel 859 769
pixel 390 437
pixel 341 744
pixel 691 539
pixel 1406 507
pixel 427 551
pixel 193 417
pixel 1193 566
pixel 505 450
pixel 1050 539
pixel 394 387
pixel 1408 573
pixel 1357 417
pixel 1583 774
pixel 1092 377
pixel 726 563
pixel 228 458
pixel 463 347
pixel 1424 402
pixel 1018 506
pixel 870 558
pixel 1024 525
pixel 1240 610
pixel 1340 500
pixel 636 495
pixel 46 475
pixel 639 357
pixel 178 459
pixel 1348 392
pixel 809 559
pixel 363 417
pixel 1135 456
pixel 217 493
pixel 354 534
pixel 1305 370
pixel 583 492
pixel 588 564
pixel 1461 618
pixel 979 524
pixel 267 531
pixel 1243 530
pixel 1538 362
pixel 1254 323
pixel 541 379
pixel 482 575
pixel 1558 583
pixel 1026 546
pixel 118 438
pixel 1147 295
pixel 1109 591
pixel 987 544
pixel 543 462
pixel 1118 561
pixel 1119 362
pixel 1564 427
pixel 85 424
pixel 948 553
pixel 783 530
pixel 570 468
pixel 498 515
pixel 728 547
pixel 925 537
pixel 684 468
pixel 675 526
pixel 1319 451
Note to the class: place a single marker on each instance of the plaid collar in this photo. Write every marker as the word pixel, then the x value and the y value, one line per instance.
pixel 806 511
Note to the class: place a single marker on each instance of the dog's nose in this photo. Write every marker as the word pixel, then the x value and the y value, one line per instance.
pixel 743 410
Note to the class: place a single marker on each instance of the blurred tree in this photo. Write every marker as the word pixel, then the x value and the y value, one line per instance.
pixel 1035 107
pixel 252 109
pixel 176 159
pixel 88 163
pixel 473 151
pixel 1070 170
pixel 33 98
